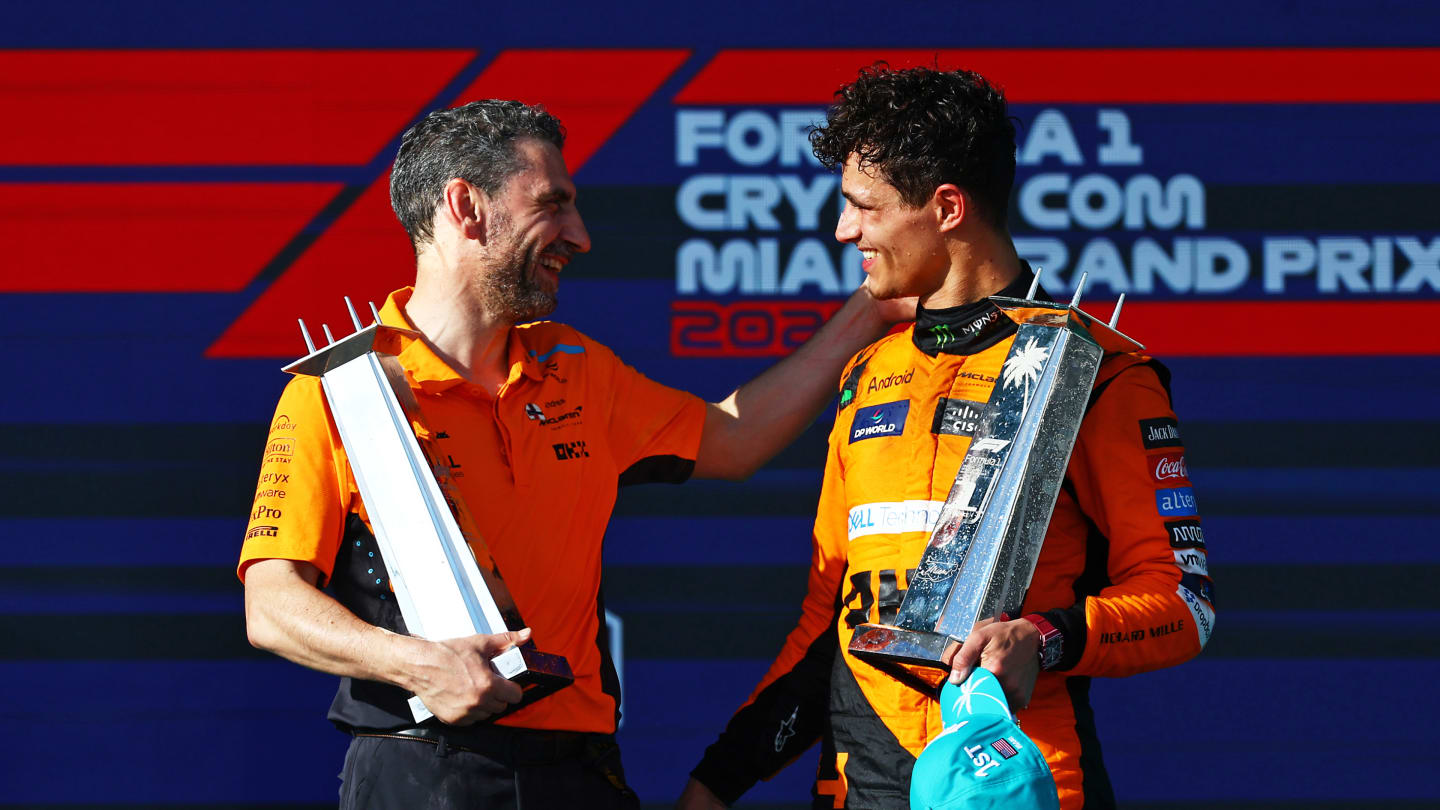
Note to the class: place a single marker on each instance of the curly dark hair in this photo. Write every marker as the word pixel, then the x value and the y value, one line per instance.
pixel 923 128
pixel 475 142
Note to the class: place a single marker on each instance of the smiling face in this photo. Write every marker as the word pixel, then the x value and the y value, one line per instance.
pixel 903 245
pixel 532 230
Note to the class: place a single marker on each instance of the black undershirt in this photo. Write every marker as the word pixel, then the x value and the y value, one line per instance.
pixel 970 328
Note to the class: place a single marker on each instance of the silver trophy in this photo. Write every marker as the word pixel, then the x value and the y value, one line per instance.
pixel 987 537
pixel 445 582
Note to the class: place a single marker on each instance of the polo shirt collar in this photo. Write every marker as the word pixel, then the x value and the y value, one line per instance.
pixel 432 375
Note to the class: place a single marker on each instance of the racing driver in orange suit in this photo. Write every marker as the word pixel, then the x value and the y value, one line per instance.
pixel 1121 585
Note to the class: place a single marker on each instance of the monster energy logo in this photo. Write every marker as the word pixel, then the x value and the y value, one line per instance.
pixel 942 334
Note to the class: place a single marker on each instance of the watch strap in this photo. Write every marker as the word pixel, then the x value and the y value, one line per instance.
pixel 1051 642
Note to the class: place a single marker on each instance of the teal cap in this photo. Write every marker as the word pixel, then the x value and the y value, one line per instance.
pixel 982 759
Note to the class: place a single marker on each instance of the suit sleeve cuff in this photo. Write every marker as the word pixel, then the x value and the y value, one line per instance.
pixel 1071 624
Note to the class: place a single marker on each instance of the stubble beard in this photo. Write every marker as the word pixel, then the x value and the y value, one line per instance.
pixel 514 290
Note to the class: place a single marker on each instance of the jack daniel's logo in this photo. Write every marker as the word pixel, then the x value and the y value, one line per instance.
pixel 1163 432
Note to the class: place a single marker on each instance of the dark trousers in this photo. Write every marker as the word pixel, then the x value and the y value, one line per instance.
pixel 490 767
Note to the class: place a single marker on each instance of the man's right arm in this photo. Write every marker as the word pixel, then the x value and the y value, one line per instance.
pixel 789 709
pixel 287 614
pixel 296 523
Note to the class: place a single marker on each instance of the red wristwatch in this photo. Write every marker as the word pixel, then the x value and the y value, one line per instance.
pixel 1051 642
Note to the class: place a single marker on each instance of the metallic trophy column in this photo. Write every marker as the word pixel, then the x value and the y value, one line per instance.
pixel 987 538
pixel 445 582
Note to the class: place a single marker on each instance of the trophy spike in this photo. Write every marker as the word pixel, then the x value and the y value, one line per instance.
pixel 375 312
pixel 305 333
pixel 1115 316
pixel 329 338
pixel 1034 284
pixel 354 317
pixel 1079 288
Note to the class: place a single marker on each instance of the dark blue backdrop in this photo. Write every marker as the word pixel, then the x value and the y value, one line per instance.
pixel 150 282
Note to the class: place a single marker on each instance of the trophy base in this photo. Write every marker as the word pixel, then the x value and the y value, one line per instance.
pixel 882 643
pixel 537 673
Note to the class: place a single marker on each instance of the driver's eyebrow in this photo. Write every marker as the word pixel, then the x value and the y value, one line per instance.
pixel 855 201
pixel 556 195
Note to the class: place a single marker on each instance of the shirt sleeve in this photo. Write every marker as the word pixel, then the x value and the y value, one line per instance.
pixel 654 430
pixel 1154 606
pixel 304 489
pixel 787 712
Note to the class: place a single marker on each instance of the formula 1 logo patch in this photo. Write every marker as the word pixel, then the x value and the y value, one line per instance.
pixel 878 421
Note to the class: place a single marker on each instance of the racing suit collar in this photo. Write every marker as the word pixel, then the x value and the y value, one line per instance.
pixel 973 327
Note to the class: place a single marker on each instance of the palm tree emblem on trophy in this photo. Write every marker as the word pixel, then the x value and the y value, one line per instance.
pixel 1024 367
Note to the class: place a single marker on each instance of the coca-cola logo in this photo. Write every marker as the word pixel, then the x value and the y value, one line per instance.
pixel 1169 467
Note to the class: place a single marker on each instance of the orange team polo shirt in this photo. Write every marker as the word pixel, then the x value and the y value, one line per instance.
pixel 538 467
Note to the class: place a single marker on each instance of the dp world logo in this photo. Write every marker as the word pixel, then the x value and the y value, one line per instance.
pixel 878 421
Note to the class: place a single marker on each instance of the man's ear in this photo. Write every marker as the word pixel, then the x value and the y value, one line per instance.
pixel 951 206
pixel 465 208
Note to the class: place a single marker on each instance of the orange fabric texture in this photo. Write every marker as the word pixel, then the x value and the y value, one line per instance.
pixel 537 466
pixel 888 472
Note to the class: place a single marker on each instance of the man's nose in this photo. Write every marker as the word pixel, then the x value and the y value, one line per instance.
pixel 848 228
pixel 575 234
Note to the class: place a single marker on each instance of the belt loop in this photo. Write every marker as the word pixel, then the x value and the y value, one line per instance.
pixel 442 746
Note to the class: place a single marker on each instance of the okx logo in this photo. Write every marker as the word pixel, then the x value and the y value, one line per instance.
pixel 887 419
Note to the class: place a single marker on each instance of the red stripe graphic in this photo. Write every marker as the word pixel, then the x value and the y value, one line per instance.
pixel 592 92
pixel 1064 75
pixel 366 254
pixel 775 327
pixel 1278 328
pixel 147 237
pixel 220 108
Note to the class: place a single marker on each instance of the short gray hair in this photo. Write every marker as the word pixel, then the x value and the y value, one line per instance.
pixel 475 142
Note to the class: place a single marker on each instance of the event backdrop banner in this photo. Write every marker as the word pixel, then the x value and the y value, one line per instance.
pixel 177 187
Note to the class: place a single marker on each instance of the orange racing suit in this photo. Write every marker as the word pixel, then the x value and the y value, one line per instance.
pixel 1122 574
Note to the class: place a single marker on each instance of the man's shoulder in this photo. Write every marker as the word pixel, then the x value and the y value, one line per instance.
pixel 536 333
pixel 557 346
pixel 894 347
pixel 890 349
pixel 302 391
pixel 547 339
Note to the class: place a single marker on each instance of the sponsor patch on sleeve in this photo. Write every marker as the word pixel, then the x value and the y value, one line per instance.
pixel 879 421
pixel 1204 615
pixel 1162 432
pixel 1192 561
pixel 1169 469
pixel 1177 502
pixel 1185 534
pixel 1201 586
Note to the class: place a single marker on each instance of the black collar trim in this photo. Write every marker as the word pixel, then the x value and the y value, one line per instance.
pixel 973 327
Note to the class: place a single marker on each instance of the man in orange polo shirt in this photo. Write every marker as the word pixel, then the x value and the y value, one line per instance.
pixel 540 424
